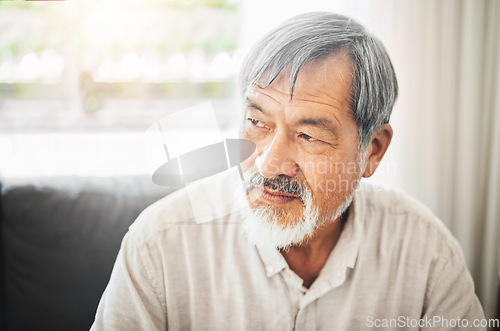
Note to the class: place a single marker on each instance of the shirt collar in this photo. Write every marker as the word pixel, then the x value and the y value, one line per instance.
pixel 272 259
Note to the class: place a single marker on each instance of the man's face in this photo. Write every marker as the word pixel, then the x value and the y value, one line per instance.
pixel 307 161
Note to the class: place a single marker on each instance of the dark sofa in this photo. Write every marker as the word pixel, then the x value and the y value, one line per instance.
pixel 59 238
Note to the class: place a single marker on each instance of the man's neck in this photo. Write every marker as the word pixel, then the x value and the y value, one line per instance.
pixel 307 259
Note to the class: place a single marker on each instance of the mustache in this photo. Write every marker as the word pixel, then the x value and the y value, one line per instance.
pixel 281 183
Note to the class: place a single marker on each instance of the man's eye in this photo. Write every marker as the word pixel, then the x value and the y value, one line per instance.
pixel 257 123
pixel 307 137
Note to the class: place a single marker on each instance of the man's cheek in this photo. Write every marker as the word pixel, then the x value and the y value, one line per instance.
pixel 331 185
pixel 326 186
pixel 329 179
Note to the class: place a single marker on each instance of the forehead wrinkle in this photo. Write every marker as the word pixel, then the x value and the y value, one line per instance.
pixel 329 100
pixel 298 97
pixel 256 91
pixel 327 116
pixel 329 105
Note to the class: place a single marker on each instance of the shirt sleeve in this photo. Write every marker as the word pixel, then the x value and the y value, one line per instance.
pixel 451 303
pixel 132 299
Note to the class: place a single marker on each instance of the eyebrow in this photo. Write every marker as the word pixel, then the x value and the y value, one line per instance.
pixel 251 104
pixel 323 123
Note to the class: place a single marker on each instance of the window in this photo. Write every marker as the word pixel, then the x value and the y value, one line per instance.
pixel 119 65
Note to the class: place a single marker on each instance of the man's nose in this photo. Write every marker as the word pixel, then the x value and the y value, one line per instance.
pixel 276 159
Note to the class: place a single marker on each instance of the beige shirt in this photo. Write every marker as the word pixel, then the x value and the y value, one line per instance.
pixel 395 266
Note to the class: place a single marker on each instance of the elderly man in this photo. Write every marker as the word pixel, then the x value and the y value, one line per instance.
pixel 313 250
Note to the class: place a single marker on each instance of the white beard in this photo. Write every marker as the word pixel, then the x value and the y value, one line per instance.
pixel 263 226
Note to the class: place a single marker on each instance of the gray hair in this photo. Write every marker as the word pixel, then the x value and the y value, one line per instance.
pixel 313 36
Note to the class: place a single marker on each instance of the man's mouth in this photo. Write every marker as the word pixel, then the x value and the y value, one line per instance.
pixel 273 196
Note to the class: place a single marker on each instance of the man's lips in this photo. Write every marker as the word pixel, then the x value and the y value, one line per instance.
pixel 273 196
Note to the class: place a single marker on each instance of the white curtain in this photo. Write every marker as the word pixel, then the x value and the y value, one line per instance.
pixel 446 145
pixel 447 121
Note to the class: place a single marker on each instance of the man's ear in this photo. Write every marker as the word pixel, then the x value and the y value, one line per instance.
pixel 377 147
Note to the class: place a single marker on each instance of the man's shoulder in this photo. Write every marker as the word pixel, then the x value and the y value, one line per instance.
pixel 392 213
pixel 160 216
pixel 210 201
pixel 390 201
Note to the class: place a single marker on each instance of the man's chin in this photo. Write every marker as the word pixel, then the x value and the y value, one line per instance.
pixel 269 226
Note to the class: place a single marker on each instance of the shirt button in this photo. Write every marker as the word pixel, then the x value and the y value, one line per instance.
pixel 269 269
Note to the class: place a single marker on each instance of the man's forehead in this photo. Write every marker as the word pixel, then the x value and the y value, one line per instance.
pixel 322 83
pixel 332 74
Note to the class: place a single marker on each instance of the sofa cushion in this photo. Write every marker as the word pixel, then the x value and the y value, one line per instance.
pixel 61 237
